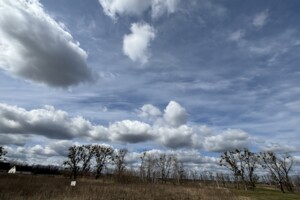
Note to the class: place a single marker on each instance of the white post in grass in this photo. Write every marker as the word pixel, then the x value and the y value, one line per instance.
pixel 217 181
pixel 73 183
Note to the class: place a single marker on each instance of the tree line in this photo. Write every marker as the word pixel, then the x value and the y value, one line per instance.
pixel 80 159
pixel 153 168
pixel 245 166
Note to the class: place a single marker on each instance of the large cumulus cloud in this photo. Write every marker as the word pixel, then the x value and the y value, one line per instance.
pixel 175 114
pixel 35 47
pixel 47 121
pixel 227 140
pixel 130 131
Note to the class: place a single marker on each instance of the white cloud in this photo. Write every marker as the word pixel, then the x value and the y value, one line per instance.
pixel 170 130
pixel 275 47
pixel 228 140
pixel 160 7
pixel 113 8
pixel 175 114
pixel 42 150
pixel 136 44
pixel 186 156
pixel 35 47
pixel 130 131
pixel 260 19
pixel 193 156
pixel 237 35
pixel 175 137
pixel 41 153
pixel 47 121
pixel 149 111
pixel 279 147
pixel 206 85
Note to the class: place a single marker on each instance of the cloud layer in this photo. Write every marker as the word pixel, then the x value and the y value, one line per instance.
pixel 35 47
pixel 47 121
pixel 170 130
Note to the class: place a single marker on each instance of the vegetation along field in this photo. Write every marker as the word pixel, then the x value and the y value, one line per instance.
pixel 35 187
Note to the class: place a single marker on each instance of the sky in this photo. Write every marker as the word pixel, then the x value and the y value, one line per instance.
pixel 189 77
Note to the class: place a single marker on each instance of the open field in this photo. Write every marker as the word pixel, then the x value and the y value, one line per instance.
pixel 46 187
pixel 268 194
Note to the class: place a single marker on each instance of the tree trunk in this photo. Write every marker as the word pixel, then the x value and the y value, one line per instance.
pixel 281 187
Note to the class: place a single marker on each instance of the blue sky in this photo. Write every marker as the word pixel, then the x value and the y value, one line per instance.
pixel 191 77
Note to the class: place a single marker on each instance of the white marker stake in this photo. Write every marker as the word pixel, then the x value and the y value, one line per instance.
pixel 73 183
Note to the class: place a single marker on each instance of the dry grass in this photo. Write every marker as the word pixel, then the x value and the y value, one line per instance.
pixel 44 187
pixel 33 187
pixel 263 193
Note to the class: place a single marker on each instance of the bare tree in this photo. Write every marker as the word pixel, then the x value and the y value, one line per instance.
pixel 230 159
pixel 103 155
pixel 278 167
pixel 178 170
pixel 251 163
pixel 73 161
pixel 86 154
pixel 194 175
pixel 243 164
pixel 143 166
pixel 2 153
pixel 151 168
pixel 119 160
pixel 221 178
pixel 79 159
pixel 286 161
pixel 297 182
pixel 164 164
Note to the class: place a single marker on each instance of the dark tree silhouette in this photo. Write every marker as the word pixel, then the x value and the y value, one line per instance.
pixel 251 163
pixel 73 161
pixel 278 167
pixel 102 155
pixel 164 164
pixel 242 163
pixel 86 154
pixel 2 153
pixel 119 161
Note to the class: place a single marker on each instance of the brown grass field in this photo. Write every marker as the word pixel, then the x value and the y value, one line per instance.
pixel 51 187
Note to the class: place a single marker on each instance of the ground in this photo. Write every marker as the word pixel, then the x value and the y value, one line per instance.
pixel 57 187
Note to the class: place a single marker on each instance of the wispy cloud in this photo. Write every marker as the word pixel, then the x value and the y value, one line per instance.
pixel 260 19
pixel 113 8
pixel 237 35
